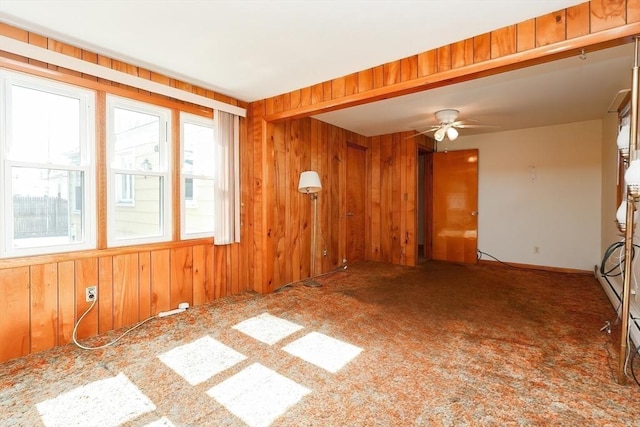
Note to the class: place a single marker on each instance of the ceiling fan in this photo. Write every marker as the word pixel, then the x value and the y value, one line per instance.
pixel 448 125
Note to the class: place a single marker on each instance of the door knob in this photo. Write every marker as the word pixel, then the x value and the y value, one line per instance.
pixel 474 213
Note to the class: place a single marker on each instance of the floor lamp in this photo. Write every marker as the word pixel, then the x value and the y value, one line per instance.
pixel 632 181
pixel 310 184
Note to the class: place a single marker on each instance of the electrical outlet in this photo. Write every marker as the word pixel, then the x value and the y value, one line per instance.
pixel 91 293
pixel 324 252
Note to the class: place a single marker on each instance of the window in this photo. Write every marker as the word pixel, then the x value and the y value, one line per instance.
pixel 47 142
pixel 138 169
pixel 197 149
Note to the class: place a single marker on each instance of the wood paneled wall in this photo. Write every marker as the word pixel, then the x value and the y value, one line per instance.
pixel 393 181
pixel 42 302
pixel 296 146
pixel 391 223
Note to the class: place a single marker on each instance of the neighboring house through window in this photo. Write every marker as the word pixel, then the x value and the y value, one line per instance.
pixel 138 169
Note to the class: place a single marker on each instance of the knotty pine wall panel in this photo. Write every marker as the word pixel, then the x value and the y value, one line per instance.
pixel 66 301
pixel 125 290
pixel 551 28
pixel 482 48
pixel 144 284
pixel 607 14
pixel 105 294
pixel 396 201
pixel 44 307
pixel 181 276
pixel 386 197
pixel 633 11
pixel 86 274
pixel 372 236
pixel 578 21
pixel 462 53
pixel 14 316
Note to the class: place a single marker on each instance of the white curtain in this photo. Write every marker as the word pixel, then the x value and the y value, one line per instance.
pixel 227 184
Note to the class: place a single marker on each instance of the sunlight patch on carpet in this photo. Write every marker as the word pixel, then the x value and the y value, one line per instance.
pixel 201 359
pixel 108 402
pixel 162 422
pixel 321 350
pixel 267 328
pixel 257 395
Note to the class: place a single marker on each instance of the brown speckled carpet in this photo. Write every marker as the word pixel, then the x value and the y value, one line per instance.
pixel 377 345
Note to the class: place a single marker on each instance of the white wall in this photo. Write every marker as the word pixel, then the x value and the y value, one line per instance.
pixel 609 206
pixel 540 187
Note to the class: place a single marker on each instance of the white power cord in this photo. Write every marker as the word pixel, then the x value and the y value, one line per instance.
pixel 181 307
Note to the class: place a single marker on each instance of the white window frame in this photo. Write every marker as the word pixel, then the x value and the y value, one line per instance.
pixel 184 202
pixel 125 186
pixel 86 165
pixel 163 172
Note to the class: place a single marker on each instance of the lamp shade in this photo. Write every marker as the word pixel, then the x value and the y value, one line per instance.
pixel 309 182
pixel 623 138
pixel 439 135
pixel 621 215
pixel 452 133
pixel 632 177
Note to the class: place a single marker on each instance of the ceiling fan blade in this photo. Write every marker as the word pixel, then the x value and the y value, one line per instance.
pixel 463 122
pixel 423 132
pixel 470 126
pixel 431 129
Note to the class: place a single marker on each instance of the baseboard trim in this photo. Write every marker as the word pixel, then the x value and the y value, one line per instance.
pixel 536 267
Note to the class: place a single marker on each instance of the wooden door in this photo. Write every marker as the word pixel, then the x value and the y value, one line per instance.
pixel 455 206
pixel 355 187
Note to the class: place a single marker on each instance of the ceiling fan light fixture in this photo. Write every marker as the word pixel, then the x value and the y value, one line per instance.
pixel 447 116
pixel 439 135
pixel 452 133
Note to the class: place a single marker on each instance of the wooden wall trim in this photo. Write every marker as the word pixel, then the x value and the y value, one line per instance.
pixel 79 64
pixel 496 65
pixel 6 263
pixel 103 86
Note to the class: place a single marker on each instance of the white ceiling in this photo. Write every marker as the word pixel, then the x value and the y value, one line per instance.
pixel 254 49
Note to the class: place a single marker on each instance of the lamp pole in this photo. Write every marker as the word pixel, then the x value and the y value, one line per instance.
pixel 314 236
pixel 628 238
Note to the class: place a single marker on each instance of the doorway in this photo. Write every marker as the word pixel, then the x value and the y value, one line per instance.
pixel 424 204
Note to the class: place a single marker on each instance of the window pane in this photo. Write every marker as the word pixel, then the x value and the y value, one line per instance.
pixel 137 140
pixel 198 150
pixel 45 127
pixel 199 212
pixel 46 211
pixel 143 216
